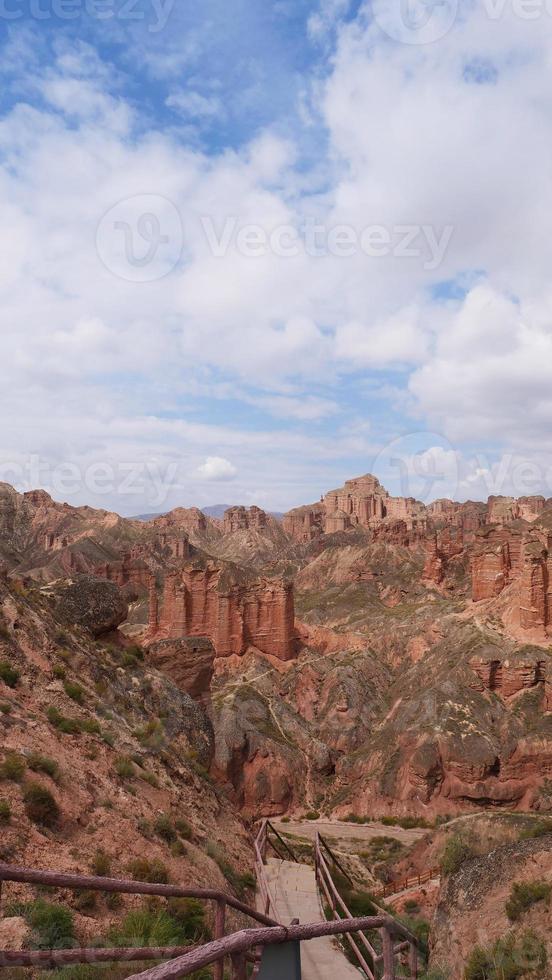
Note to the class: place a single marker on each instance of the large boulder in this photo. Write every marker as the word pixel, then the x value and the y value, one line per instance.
pixel 91 602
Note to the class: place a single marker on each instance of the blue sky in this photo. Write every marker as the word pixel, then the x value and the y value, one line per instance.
pixel 251 249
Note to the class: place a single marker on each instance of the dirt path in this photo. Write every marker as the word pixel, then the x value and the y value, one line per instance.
pixel 343 833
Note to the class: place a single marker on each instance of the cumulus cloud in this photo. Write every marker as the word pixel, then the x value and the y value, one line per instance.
pixel 100 365
pixel 217 469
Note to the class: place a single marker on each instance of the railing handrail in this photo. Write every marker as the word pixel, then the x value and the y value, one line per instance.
pixel 395 887
pixel 240 942
pixel 335 901
pixel 123 886
pixel 263 885
pixel 337 863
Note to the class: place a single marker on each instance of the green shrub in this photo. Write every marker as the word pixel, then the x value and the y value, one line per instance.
pixel 5 708
pixel 353 818
pixel 74 691
pixel 59 672
pixel 150 778
pixel 524 895
pixel 124 767
pixel 184 828
pixel 164 827
pixel 456 850
pixel 42 763
pixel 153 871
pixel 285 820
pixel 101 864
pixel 91 726
pixel 52 925
pixel 67 726
pixel 9 674
pixel 40 805
pixel 85 901
pixel 5 812
pixel 312 815
pixel 538 828
pixel 13 767
pixel 508 959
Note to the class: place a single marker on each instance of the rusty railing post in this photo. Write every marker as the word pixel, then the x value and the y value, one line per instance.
pixel 388 954
pixel 220 930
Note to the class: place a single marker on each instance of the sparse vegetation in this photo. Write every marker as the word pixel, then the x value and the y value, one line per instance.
pixel 509 958
pixel 42 763
pixel 312 815
pixel 124 767
pixel 165 828
pixel 67 726
pixel 13 767
pixel 524 895
pixel 101 864
pixel 52 925
pixel 10 675
pixel 456 850
pixel 539 828
pixel 153 871
pixel 5 812
pixel 5 708
pixel 74 691
pixel 40 805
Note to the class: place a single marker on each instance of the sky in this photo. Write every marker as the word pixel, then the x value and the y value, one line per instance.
pixel 250 249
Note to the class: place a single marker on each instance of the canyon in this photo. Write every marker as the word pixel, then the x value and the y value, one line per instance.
pixel 365 653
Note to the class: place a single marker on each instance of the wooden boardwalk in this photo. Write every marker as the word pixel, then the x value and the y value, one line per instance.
pixel 293 887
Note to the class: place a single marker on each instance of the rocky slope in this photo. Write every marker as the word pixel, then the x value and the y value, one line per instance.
pixel 103 753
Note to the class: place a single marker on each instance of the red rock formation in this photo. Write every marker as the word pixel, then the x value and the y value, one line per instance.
pixel 364 502
pixel 187 519
pixel 244 519
pixel 230 608
pixel 504 510
pixel 303 524
pixel 535 600
pixel 125 572
pixel 441 547
pixel 174 541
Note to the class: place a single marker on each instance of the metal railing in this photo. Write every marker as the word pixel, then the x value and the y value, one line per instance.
pixel 368 957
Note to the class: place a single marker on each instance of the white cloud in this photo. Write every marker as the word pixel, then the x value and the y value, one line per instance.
pixel 217 469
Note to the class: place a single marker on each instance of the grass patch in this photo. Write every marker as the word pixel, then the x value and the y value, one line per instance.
pixel 153 871
pixel 74 691
pixel 10 675
pixel 13 767
pixel 524 895
pixel 456 850
pixel 100 864
pixel 51 925
pixel 509 958
pixel 40 805
pixel 42 763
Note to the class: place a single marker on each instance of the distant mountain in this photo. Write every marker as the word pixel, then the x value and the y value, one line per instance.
pixel 217 510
